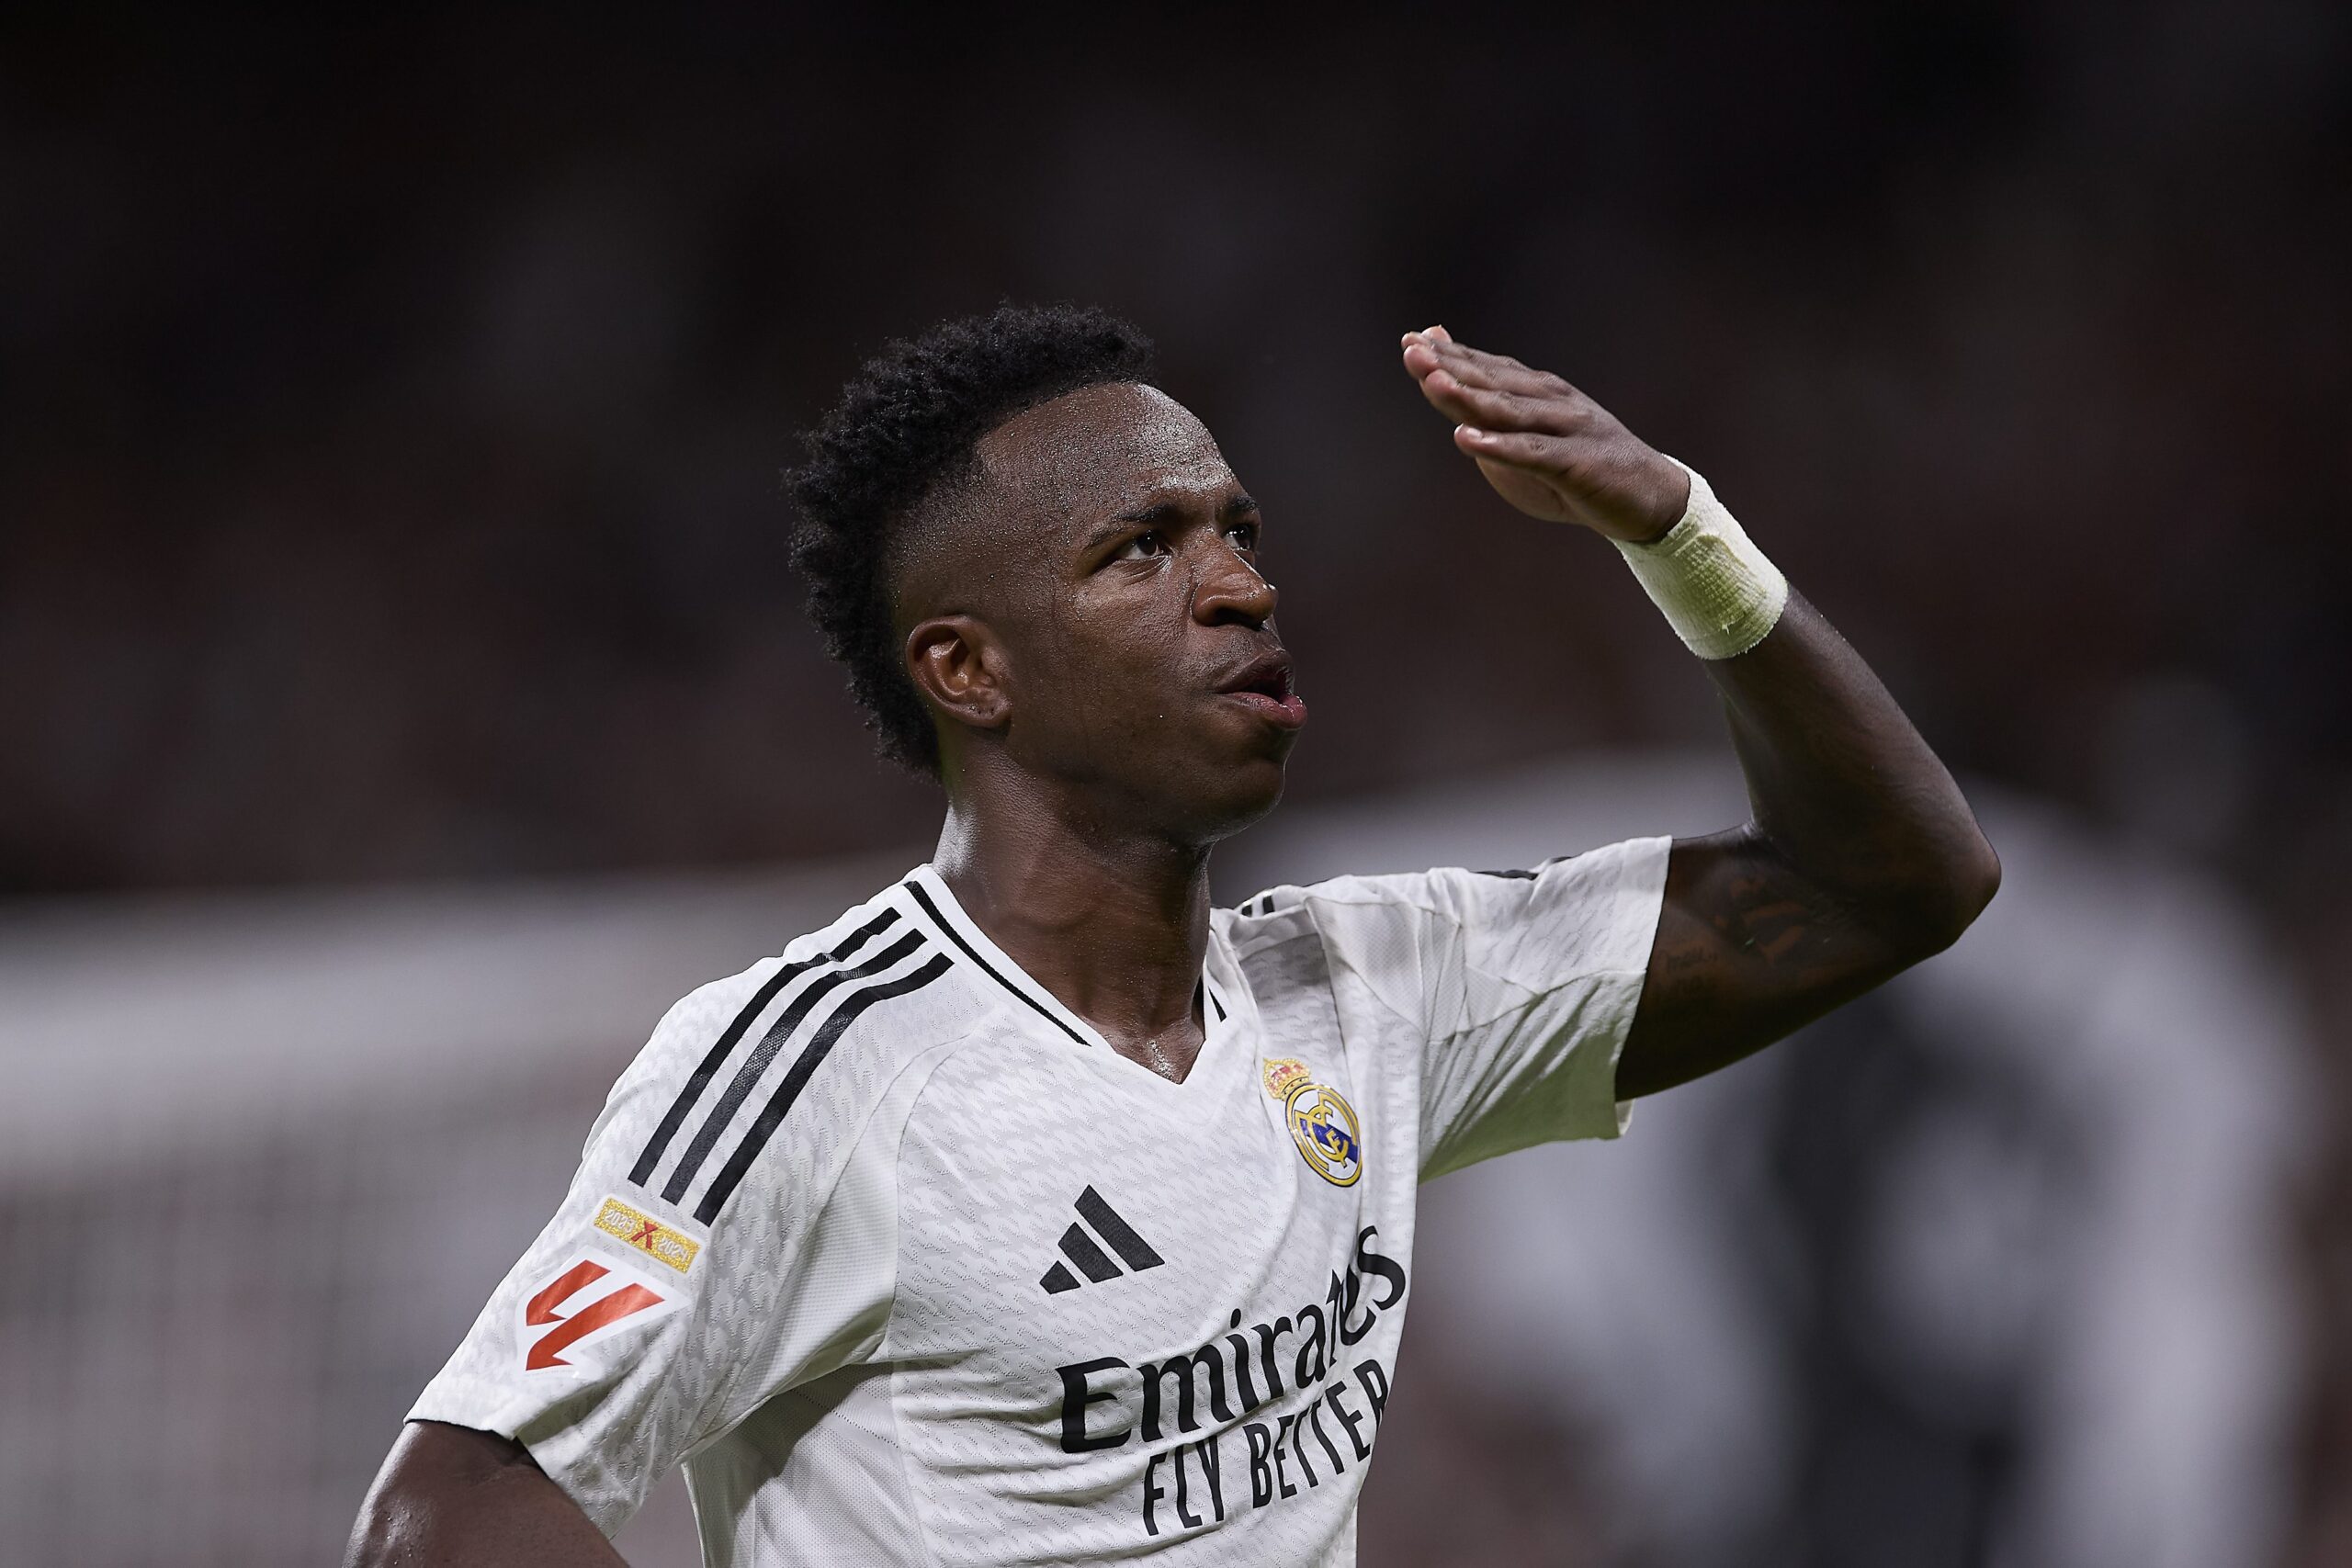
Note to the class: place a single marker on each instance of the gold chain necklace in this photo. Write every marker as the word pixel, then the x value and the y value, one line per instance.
pixel 1159 1062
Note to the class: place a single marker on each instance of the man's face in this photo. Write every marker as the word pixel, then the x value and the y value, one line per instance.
pixel 1113 557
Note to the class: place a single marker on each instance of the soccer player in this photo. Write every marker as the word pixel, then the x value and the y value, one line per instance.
pixel 1034 1210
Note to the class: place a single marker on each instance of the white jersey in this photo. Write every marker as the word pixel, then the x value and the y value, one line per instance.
pixel 908 1265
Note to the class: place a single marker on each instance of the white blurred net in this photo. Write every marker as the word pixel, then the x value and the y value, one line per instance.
pixel 265 1158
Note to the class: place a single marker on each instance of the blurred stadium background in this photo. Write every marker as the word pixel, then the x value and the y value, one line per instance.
pixel 403 696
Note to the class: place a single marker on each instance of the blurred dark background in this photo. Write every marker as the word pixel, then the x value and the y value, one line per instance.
pixel 391 413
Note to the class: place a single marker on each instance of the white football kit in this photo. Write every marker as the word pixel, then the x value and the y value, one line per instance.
pixel 908 1265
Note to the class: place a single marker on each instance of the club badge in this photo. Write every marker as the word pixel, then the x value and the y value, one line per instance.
pixel 1324 1127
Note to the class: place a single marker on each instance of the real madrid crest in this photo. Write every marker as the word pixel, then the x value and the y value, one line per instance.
pixel 1322 1123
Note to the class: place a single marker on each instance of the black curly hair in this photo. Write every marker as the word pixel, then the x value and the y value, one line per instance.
pixel 905 425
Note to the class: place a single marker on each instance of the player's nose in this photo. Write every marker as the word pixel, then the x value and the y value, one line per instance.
pixel 1230 589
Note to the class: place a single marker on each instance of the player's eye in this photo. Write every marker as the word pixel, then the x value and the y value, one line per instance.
pixel 1244 536
pixel 1146 545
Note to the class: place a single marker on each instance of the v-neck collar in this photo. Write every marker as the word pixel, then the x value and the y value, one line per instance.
pixel 933 897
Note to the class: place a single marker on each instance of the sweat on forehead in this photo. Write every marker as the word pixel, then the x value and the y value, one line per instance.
pixel 1058 466
pixel 1097 448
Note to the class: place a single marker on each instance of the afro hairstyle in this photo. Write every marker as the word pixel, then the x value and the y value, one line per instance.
pixel 906 426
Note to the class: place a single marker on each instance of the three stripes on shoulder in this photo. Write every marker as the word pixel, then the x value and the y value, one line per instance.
pixel 776 1038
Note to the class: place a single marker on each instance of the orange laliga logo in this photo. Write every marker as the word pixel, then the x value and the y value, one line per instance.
pixel 625 1296
pixel 648 1234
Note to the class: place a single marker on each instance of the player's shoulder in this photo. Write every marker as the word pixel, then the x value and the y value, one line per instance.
pixel 1366 915
pixel 1265 919
pixel 872 953
pixel 1283 913
pixel 778 1067
pixel 1439 889
pixel 1288 936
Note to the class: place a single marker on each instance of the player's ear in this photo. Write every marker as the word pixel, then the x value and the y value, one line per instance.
pixel 959 667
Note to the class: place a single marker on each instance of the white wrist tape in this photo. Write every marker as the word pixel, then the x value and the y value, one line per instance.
pixel 1716 589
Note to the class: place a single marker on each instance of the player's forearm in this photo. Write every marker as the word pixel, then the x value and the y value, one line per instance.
pixel 452 1497
pixel 1862 857
pixel 1845 791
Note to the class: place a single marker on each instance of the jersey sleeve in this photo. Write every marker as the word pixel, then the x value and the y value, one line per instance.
pixel 1520 987
pixel 636 1329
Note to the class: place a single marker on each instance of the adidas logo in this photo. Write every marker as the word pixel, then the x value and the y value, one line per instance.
pixel 1081 1247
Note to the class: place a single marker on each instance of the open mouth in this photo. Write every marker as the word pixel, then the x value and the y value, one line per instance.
pixel 1265 686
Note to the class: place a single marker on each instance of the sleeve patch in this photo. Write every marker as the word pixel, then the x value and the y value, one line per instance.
pixel 648 1234
pixel 571 1323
